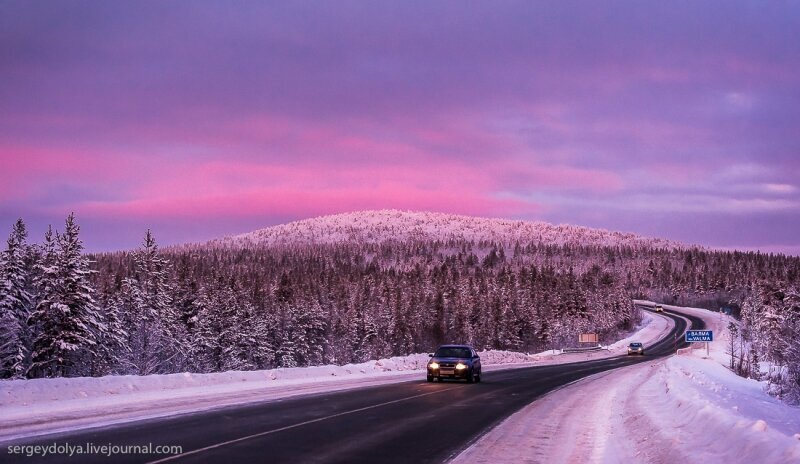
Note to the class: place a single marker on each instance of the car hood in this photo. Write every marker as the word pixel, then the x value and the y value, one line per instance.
pixel 438 359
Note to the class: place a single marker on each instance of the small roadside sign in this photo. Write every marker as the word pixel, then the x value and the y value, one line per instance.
pixel 699 336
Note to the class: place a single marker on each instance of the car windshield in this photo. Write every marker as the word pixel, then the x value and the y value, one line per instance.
pixel 635 345
pixel 452 352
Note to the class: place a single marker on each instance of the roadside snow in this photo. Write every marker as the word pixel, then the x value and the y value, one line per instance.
pixel 34 407
pixel 688 408
pixel 573 424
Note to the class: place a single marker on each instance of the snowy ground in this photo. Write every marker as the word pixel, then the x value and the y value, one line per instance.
pixel 32 407
pixel 688 408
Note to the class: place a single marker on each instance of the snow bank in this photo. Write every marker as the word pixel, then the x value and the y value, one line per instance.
pixel 38 391
pixel 741 422
pixel 570 425
pixel 25 392
pixel 716 415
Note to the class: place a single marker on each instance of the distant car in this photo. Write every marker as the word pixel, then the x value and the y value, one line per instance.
pixel 459 362
pixel 636 348
pixel 659 309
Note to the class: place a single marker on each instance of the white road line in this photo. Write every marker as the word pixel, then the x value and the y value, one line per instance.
pixel 261 434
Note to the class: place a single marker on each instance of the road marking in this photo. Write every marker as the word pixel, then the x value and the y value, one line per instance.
pixel 261 434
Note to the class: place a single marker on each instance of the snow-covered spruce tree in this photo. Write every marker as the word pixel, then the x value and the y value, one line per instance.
pixel 361 329
pixel 236 345
pixel 749 336
pixel 227 333
pixel 286 353
pixel 44 320
pixel 67 323
pixel 770 325
pixel 769 331
pixel 240 352
pixel 156 336
pixel 792 334
pixel 401 329
pixel 15 304
pixel 308 327
pixel 732 343
pixel 113 351
pixel 203 328
pixel 460 323
pixel 262 331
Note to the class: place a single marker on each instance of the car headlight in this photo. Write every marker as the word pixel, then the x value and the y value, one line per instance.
pixel 433 365
pixel 461 366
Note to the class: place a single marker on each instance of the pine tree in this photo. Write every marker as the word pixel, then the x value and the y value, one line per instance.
pixel 15 304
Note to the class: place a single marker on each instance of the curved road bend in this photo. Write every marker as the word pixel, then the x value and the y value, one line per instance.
pixel 405 422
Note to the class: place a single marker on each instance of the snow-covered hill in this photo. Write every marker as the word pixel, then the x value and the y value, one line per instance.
pixel 394 225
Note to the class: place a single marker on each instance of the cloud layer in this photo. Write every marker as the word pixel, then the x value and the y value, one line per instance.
pixel 201 118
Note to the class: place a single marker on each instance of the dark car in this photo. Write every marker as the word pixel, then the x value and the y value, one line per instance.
pixel 636 348
pixel 659 308
pixel 459 362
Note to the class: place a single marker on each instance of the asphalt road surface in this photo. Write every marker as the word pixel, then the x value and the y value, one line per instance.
pixel 404 422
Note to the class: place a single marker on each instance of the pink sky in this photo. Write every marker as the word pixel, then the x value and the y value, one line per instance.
pixel 200 119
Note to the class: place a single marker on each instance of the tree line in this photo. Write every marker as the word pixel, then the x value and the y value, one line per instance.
pixel 769 332
pixel 209 308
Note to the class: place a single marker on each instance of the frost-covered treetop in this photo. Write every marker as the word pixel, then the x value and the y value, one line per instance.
pixel 393 225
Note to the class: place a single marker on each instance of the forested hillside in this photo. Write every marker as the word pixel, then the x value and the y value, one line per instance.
pixel 380 226
pixel 365 290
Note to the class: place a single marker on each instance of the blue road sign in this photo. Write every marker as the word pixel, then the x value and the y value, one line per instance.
pixel 699 336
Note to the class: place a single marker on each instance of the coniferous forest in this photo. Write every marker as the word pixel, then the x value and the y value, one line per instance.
pixel 222 306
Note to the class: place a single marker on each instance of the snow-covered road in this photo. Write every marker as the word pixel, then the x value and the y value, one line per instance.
pixel 687 408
